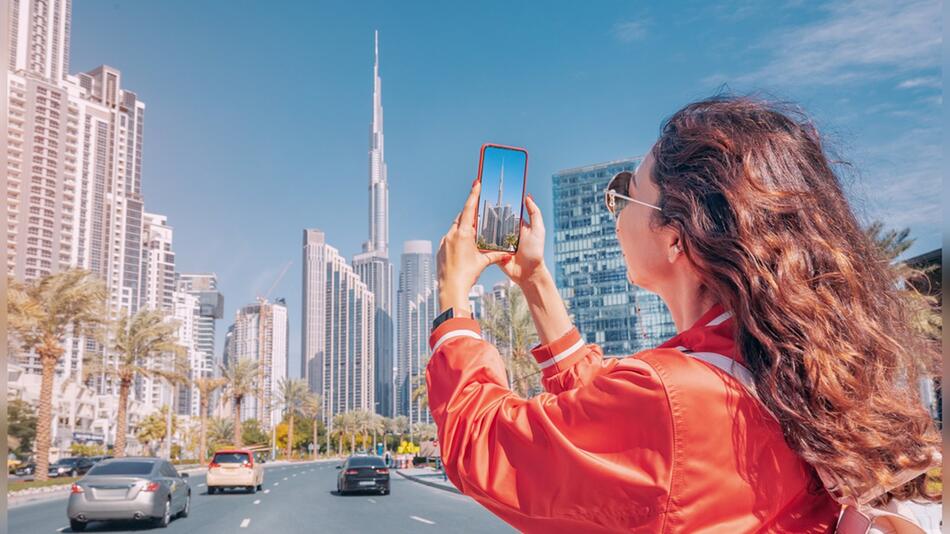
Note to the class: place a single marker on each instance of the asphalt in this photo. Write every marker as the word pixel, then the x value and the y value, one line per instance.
pixel 297 498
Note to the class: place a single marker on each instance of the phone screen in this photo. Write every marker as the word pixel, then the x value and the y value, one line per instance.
pixel 503 171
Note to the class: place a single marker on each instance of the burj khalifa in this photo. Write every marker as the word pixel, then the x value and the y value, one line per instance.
pixel 373 263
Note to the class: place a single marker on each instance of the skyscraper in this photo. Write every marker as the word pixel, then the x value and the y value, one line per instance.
pixel 416 276
pixel 498 220
pixel 72 166
pixel 338 353
pixel 261 335
pixel 589 267
pixel 373 265
pixel 157 292
pixel 209 308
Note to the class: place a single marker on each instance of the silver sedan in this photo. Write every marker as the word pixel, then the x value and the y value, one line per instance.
pixel 147 489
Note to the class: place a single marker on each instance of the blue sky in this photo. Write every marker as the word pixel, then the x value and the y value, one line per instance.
pixel 258 113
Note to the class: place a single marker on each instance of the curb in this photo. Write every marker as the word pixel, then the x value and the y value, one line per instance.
pixel 419 480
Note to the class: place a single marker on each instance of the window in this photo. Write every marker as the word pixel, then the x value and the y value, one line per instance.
pixel 120 467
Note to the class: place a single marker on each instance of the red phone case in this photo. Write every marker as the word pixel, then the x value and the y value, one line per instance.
pixel 524 187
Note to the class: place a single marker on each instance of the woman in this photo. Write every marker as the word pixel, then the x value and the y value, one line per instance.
pixel 737 221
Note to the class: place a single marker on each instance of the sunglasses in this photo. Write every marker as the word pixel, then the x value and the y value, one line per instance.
pixel 615 201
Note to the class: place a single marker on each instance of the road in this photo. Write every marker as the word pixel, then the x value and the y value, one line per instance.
pixel 298 497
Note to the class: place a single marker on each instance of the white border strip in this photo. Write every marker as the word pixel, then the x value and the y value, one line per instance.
pixel 561 355
pixel 454 333
pixel 719 320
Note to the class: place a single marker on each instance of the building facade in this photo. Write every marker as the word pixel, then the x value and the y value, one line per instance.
pixel 261 335
pixel 416 276
pixel 589 267
pixel 338 332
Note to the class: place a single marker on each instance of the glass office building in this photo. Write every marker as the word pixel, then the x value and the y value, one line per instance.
pixel 590 271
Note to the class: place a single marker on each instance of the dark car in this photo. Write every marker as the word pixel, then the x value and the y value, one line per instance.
pixel 140 489
pixel 25 469
pixel 363 473
pixel 71 467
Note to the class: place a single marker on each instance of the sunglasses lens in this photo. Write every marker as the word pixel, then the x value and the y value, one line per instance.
pixel 618 184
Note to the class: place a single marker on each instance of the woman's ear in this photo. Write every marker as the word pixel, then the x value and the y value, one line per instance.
pixel 675 250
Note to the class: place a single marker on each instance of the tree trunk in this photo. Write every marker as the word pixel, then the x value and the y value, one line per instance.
pixel 290 437
pixel 168 424
pixel 352 442
pixel 316 446
pixel 44 419
pixel 237 421
pixel 121 419
pixel 203 430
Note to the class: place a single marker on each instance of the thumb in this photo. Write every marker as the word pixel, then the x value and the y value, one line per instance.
pixel 497 257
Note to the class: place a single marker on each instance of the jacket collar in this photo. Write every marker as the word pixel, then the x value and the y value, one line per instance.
pixel 714 331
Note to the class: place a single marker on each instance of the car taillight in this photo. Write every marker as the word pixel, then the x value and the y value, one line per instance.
pixel 152 486
pixel 351 472
pixel 76 488
pixel 212 465
pixel 382 471
pixel 247 464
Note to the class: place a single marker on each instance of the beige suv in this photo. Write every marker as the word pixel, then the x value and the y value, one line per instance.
pixel 234 469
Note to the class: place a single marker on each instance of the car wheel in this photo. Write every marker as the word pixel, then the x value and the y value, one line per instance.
pixel 260 487
pixel 77 526
pixel 252 489
pixel 73 473
pixel 166 518
pixel 187 509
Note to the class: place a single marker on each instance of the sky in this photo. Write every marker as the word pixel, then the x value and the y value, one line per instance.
pixel 258 113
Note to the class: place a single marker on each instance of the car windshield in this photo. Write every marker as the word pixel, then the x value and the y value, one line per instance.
pixel 69 461
pixel 366 461
pixel 122 468
pixel 230 458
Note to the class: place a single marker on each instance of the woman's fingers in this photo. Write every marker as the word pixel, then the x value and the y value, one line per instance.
pixel 534 212
pixel 467 217
pixel 495 257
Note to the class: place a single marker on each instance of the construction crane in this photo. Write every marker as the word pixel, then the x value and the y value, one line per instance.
pixel 277 281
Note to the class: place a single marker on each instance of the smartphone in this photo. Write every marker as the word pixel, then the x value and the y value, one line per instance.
pixel 503 173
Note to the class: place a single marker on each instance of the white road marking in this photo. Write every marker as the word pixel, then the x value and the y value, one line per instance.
pixel 258 501
pixel 246 522
pixel 285 478
pixel 421 520
pixel 200 485
pixel 60 529
pixel 266 492
pixel 372 501
pixel 277 483
pixel 295 474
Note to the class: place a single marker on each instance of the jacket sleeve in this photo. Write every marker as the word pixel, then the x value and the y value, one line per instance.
pixel 567 362
pixel 596 455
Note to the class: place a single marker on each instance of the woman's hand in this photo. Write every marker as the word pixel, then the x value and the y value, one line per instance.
pixel 459 262
pixel 527 264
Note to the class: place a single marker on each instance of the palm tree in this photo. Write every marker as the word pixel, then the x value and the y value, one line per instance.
pixel 340 423
pixel 142 346
pixel 220 431
pixel 293 394
pixel 420 392
pixel 42 314
pixel 400 425
pixel 241 380
pixel 206 386
pixel 175 373
pixel 924 309
pixel 312 409
pixel 377 425
pixel 509 323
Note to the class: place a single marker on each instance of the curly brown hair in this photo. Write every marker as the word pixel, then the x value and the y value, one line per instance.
pixel 763 217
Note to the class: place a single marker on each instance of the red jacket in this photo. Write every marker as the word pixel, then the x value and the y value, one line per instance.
pixel 655 442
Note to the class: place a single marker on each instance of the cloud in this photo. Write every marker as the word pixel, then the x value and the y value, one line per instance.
pixel 921 81
pixel 857 40
pixel 630 31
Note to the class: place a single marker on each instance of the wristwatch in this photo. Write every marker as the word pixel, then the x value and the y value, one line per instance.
pixel 443 317
pixel 448 314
